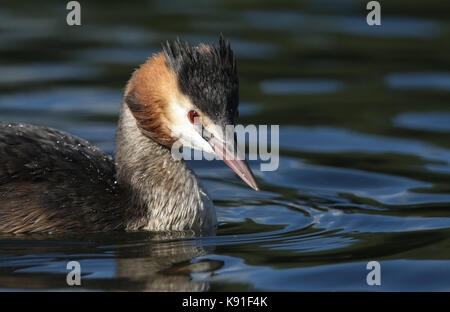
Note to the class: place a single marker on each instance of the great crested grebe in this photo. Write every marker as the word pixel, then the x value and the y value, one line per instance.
pixel 51 181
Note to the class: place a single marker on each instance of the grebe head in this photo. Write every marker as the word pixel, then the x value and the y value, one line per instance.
pixel 188 95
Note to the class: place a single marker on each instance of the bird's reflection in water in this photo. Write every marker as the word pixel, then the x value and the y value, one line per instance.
pixel 166 263
pixel 141 262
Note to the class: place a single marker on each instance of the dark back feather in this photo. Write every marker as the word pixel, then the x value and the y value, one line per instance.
pixel 51 181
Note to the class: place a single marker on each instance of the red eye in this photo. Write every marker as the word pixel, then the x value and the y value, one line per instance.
pixel 194 117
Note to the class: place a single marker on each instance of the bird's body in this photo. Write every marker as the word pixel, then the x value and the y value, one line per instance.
pixel 51 181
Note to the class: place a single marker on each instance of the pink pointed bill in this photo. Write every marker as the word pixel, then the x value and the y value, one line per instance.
pixel 239 166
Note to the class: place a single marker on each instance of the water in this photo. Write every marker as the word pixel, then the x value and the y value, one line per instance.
pixel 364 121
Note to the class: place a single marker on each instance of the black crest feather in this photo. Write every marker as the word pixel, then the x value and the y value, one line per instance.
pixel 208 75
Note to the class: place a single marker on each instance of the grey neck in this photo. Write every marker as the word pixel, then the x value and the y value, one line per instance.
pixel 162 193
